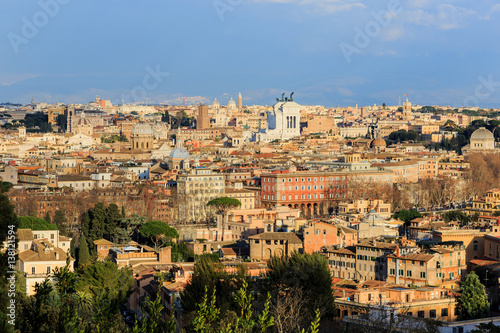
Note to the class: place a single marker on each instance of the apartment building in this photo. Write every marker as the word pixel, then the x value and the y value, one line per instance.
pixel 442 266
pixel 195 189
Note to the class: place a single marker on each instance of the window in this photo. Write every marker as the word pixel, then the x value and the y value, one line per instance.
pixel 48 269
pixel 400 272
pixel 422 275
pixel 421 314
pixel 432 313
pixel 444 312
pixel 25 247
pixel 32 270
pixel 408 273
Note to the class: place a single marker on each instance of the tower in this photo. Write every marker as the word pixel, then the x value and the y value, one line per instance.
pixel 239 101
pixel 203 119
pixel 406 109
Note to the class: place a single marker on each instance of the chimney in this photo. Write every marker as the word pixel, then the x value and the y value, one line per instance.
pixel 397 251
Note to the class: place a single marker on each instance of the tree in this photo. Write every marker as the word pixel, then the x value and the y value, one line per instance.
pixel 308 272
pixel 47 218
pixel 83 252
pixel 154 322
pixel 35 223
pixel 211 275
pixel 158 230
pixel 222 206
pixel 62 122
pixel 486 328
pixel 473 301
pixel 60 221
pixel 407 215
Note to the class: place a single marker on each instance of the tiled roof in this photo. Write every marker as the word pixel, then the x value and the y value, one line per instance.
pixel 288 236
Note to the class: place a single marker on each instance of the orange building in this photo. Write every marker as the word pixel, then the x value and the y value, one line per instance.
pixel 321 234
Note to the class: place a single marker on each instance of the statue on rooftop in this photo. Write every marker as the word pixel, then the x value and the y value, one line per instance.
pixel 291 97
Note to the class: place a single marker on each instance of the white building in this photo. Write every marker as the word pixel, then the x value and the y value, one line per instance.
pixel 283 122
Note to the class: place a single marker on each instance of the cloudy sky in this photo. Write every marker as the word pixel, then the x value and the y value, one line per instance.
pixel 329 52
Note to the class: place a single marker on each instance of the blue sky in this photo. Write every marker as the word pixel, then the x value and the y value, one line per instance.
pixel 436 51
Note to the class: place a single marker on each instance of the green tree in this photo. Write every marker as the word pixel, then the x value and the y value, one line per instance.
pixel 47 218
pixel 83 252
pixel 158 231
pixel 154 322
pixel 112 220
pixel 60 221
pixel 222 206
pixel 35 223
pixel 62 122
pixel 308 272
pixel 5 187
pixel 123 212
pixel 473 301
pixel 407 215
pixel 213 276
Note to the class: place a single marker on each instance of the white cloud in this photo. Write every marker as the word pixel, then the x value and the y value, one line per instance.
pixel 493 10
pixel 345 91
pixel 324 6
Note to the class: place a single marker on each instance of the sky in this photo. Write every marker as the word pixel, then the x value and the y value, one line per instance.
pixel 328 52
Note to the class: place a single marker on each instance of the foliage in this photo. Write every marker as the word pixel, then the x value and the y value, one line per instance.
pixel 5 187
pixel 211 275
pixel 37 119
pixel 35 223
pixel 128 228
pixel 100 222
pixel 207 314
pixel 154 323
pixel 308 272
pixel 180 252
pixel 158 231
pixel 83 252
pixel 224 204
pixel 456 215
pixel 114 138
pixel 473 301
pixel 62 122
pixel 403 135
pixel 60 221
pixel 407 215
pixel 47 218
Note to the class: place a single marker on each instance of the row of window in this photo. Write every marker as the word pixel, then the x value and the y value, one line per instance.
pixel 283 180
pixel 392 271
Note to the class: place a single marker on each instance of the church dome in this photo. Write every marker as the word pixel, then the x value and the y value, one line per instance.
pixel 179 153
pixel 215 104
pixel 378 143
pixel 160 130
pixel 482 134
pixel 231 104
pixel 142 128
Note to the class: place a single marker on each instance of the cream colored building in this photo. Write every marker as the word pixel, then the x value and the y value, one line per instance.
pixel 40 253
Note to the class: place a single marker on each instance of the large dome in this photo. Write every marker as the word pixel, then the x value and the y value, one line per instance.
pixel 179 153
pixel 378 143
pixel 482 134
pixel 142 128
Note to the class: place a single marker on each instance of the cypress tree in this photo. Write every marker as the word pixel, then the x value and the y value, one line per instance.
pixel 47 218
pixel 83 252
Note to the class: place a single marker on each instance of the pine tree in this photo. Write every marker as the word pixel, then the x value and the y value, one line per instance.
pixel 473 301
pixel 123 212
pixel 47 218
pixel 112 219
pixel 83 252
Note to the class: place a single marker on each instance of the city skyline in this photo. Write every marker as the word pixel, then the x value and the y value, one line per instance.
pixel 328 52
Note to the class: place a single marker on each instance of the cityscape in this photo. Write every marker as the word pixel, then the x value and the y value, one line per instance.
pixel 361 195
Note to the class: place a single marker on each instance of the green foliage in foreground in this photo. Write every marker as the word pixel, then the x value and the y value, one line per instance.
pixel 473 301
pixel 35 223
